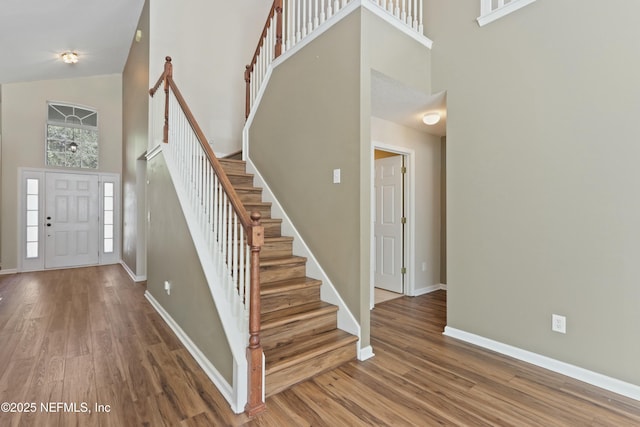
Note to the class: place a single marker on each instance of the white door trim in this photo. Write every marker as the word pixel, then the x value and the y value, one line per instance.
pixel 36 264
pixel 410 205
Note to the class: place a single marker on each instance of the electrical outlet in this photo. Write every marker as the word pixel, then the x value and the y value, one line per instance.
pixel 167 287
pixel 558 323
pixel 424 266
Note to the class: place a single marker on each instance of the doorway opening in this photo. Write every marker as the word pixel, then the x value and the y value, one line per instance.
pixel 392 243
pixel 389 225
pixel 68 219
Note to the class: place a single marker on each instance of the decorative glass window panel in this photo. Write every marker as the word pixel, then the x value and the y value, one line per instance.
pixel 32 231
pixel 107 214
pixel 72 136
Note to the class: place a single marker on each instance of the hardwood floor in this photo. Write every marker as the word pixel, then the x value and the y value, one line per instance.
pixel 89 335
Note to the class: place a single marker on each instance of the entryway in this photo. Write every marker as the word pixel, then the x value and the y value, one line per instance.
pixel 71 227
pixel 68 219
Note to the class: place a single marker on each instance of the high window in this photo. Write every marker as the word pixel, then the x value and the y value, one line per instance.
pixel 72 136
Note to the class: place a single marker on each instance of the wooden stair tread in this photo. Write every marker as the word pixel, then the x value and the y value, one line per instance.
pixel 296 313
pixel 278 239
pixel 273 262
pixel 236 173
pixel 287 285
pixel 247 189
pixel 228 160
pixel 306 348
pixel 256 204
pixel 270 221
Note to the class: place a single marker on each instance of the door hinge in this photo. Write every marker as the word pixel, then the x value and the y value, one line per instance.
pixel 403 220
pixel 403 169
pixel 403 270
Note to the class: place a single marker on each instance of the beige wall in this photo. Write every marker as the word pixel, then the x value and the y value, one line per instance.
pixel 172 257
pixel 210 42
pixel 135 123
pixel 542 175
pixel 306 126
pixel 426 185
pixel 385 50
pixel 316 117
pixel 24 118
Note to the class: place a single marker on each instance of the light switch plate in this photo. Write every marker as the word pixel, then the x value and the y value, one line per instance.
pixel 336 176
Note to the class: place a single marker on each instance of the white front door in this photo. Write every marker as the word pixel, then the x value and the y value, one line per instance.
pixel 71 220
pixel 388 227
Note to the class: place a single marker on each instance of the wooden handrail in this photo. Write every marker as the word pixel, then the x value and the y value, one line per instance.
pixel 276 10
pixel 254 233
pixel 234 199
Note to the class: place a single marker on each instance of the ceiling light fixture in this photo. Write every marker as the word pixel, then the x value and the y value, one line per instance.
pixel 431 118
pixel 73 147
pixel 69 57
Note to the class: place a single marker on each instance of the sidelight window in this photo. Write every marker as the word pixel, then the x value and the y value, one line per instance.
pixel 108 217
pixel 33 232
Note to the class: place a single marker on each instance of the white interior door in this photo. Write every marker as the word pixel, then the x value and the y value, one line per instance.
pixel 388 228
pixel 71 220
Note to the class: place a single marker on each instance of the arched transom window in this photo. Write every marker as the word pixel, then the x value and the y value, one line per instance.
pixel 72 136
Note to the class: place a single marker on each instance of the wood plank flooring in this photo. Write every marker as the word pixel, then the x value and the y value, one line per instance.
pixel 89 335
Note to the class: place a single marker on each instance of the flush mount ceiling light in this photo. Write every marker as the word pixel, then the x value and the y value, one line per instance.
pixel 69 57
pixel 431 118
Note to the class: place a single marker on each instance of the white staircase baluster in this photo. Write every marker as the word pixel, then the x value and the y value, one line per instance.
pixel 286 11
pixel 304 18
pixel 234 248
pixel 298 22
pixel 316 17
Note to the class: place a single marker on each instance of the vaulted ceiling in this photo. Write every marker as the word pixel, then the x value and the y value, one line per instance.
pixel 33 34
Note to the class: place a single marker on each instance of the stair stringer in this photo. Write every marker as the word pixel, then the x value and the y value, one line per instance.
pixel 328 293
pixel 235 327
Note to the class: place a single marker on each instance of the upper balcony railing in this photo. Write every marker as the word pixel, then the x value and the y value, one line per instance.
pixel 292 21
pixel 490 10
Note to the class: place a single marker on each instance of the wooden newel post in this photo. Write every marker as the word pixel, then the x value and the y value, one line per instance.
pixel 255 404
pixel 168 73
pixel 247 79
pixel 278 47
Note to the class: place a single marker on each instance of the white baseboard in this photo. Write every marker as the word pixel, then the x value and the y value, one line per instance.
pixel 223 386
pixel 131 274
pixel 443 286
pixel 8 271
pixel 612 384
pixel 426 290
pixel 365 353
